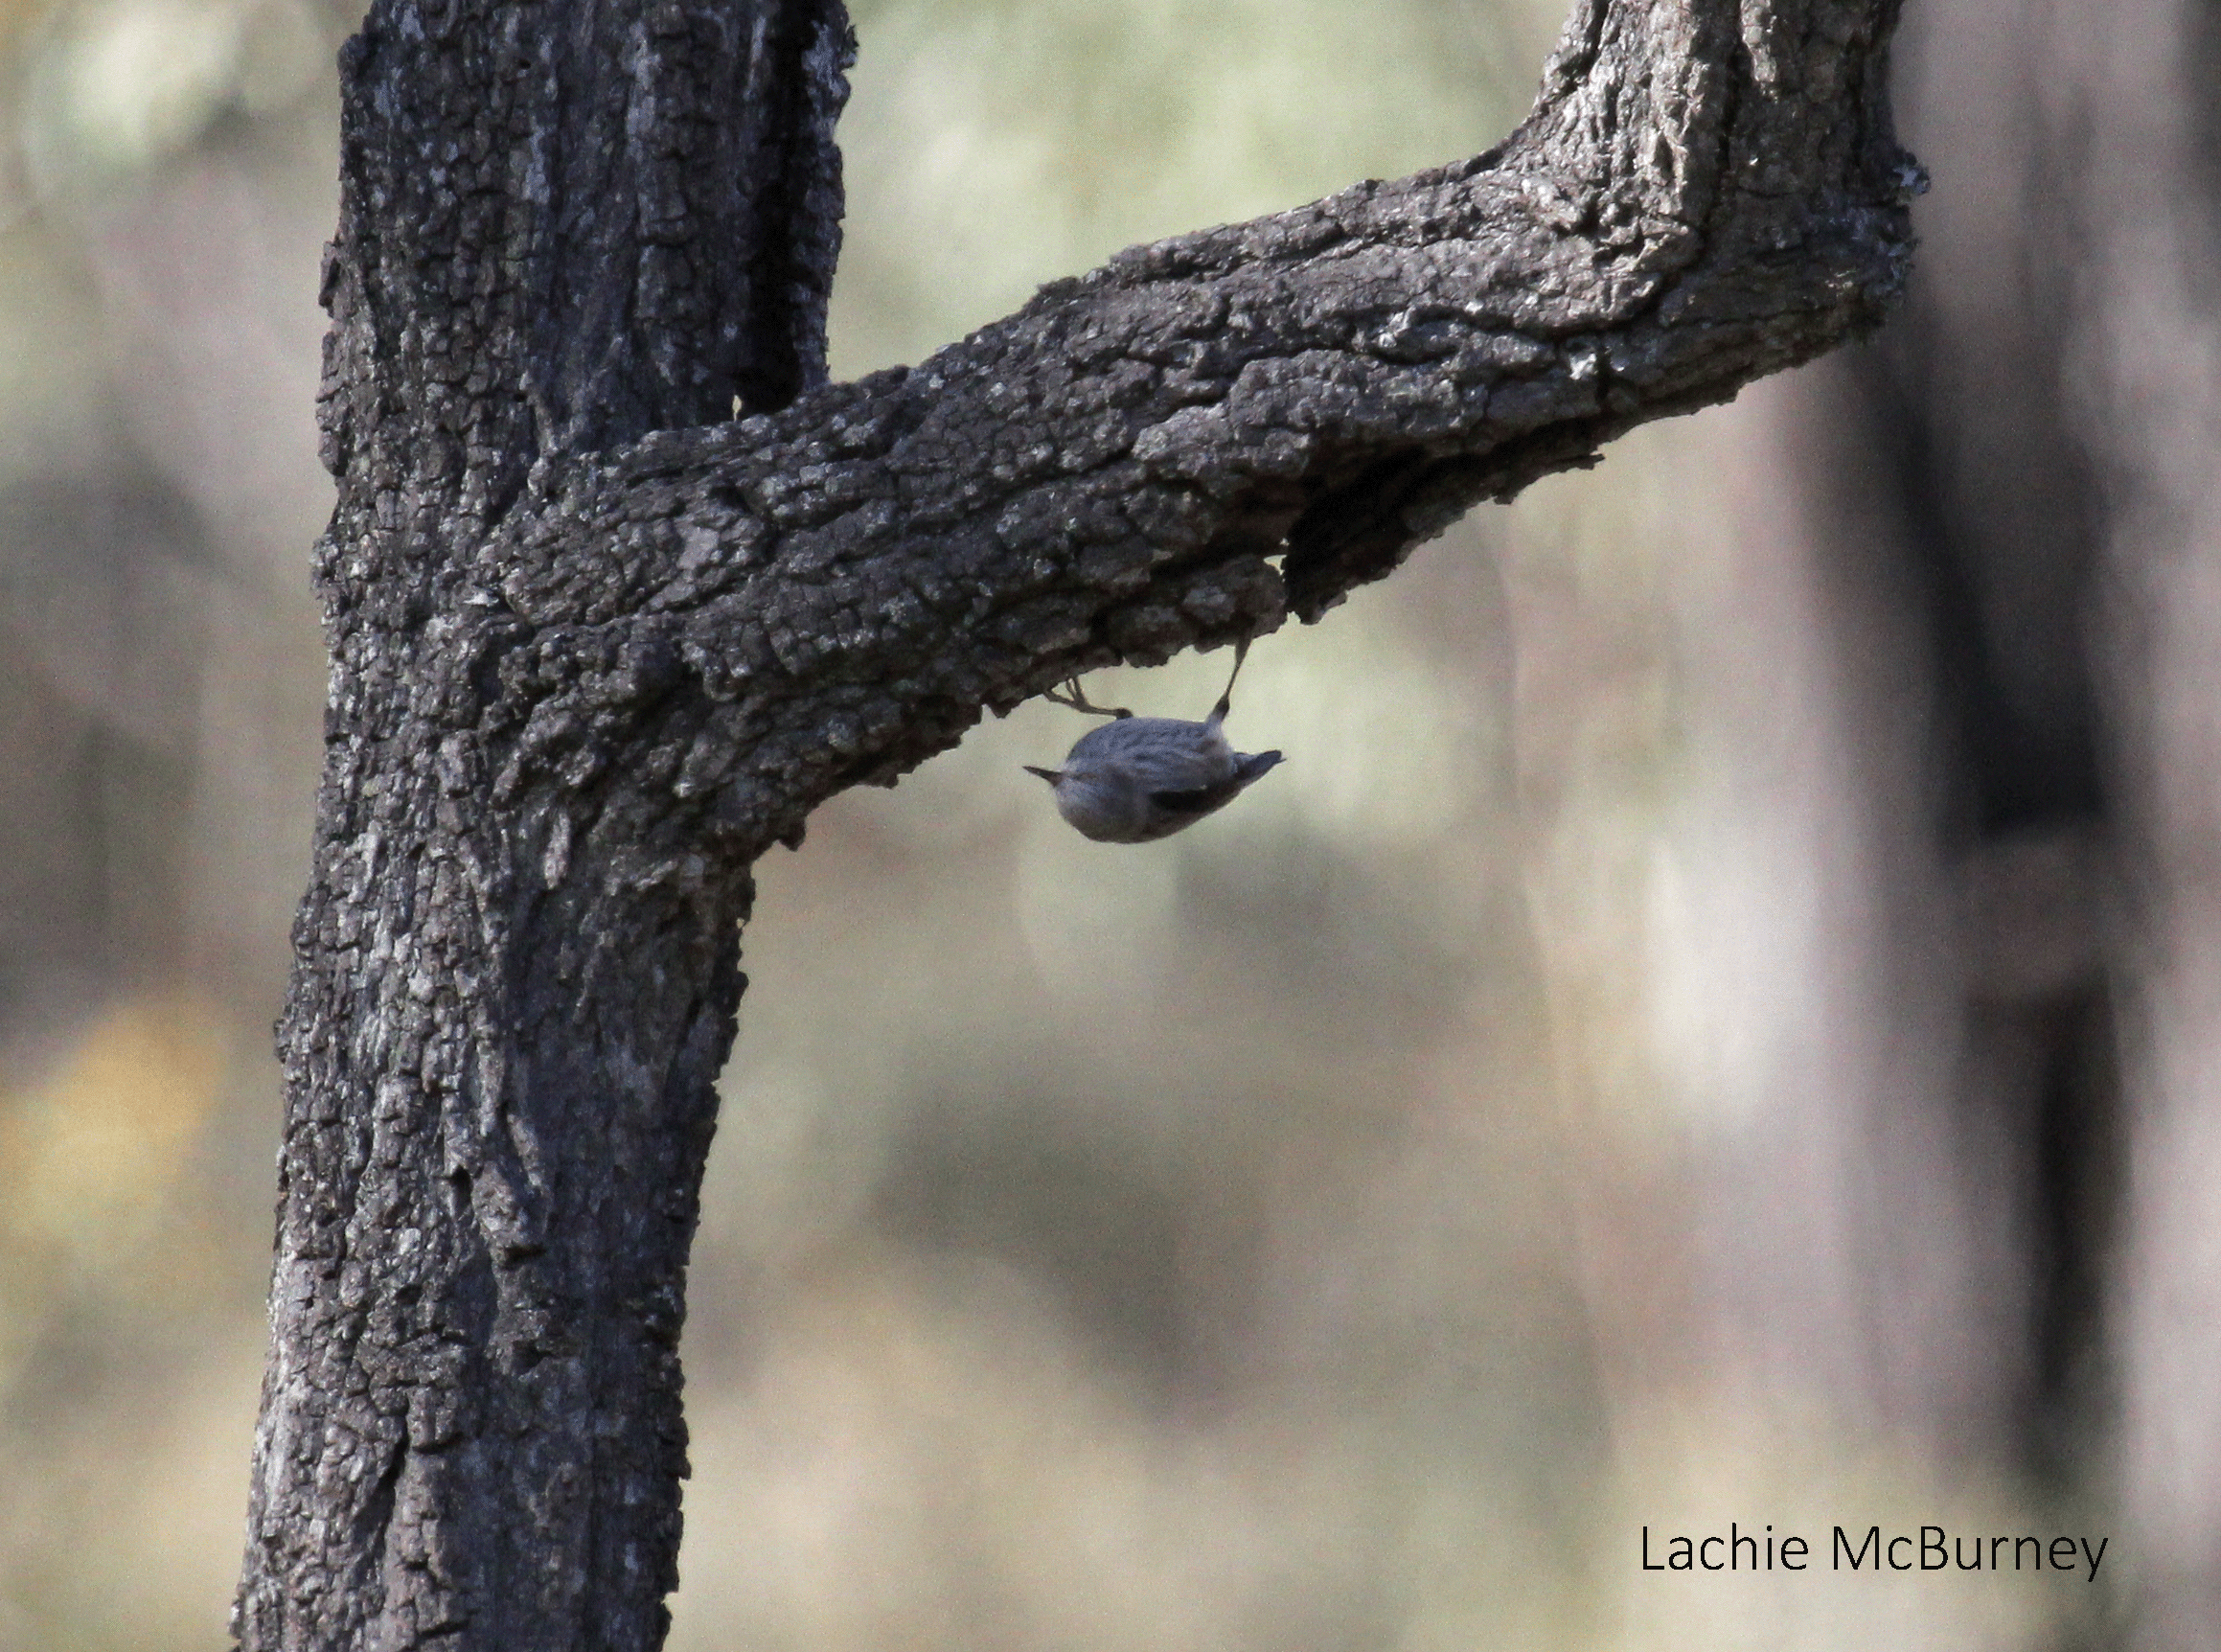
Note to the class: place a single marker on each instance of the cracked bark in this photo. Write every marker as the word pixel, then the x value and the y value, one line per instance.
pixel 595 645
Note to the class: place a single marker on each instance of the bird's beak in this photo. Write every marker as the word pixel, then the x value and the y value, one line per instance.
pixel 1051 775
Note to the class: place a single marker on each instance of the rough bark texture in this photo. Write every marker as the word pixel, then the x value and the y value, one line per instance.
pixel 594 650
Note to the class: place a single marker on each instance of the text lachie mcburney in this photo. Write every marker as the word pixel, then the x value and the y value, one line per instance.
pixel 1929 1548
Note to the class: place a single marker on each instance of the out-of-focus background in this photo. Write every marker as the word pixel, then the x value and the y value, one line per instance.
pixel 1717 1019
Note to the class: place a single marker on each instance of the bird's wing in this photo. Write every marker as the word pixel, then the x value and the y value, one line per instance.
pixel 1197 800
pixel 1162 754
pixel 1202 799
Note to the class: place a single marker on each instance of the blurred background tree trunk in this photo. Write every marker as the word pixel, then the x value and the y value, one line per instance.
pixel 1951 949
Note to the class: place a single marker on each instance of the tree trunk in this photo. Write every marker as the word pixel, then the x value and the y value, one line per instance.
pixel 508 1015
pixel 595 647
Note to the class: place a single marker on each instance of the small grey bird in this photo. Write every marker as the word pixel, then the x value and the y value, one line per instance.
pixel 1139 778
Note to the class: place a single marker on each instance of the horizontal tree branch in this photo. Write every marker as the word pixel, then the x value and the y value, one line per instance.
pixel 1203 435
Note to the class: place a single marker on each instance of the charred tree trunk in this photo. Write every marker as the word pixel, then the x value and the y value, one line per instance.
pixel 561 228
pixel 596 644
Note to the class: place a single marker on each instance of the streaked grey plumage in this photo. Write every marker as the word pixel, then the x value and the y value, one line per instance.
pixel 1139 778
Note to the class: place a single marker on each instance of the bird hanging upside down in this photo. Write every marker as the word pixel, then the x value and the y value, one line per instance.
pixel 1139 778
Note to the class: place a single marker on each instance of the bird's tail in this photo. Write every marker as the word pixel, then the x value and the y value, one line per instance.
pixel 1248 764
